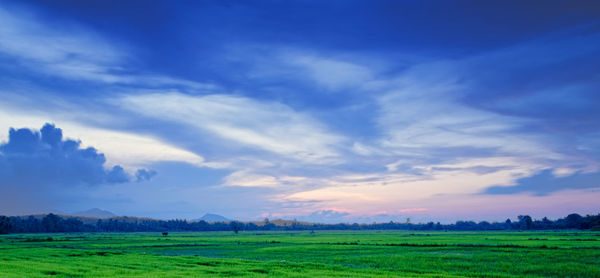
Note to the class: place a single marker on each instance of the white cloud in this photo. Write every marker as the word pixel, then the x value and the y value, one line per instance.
pixel 71 51
pixel 127 149
pixel 64 50
pixel 421 111
pixel 334 72
pixel 248 178
pixel 391 192
pixel 364 150
pixel 245 178
pixel 421 117
pixel 330 73
pixel 266 125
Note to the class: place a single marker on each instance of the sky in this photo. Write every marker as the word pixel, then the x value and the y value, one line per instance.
pixel 324 111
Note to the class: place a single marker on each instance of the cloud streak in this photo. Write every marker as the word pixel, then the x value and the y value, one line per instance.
pixel 268 126
pixel 331 125
pixel 73 52
pixel 547 182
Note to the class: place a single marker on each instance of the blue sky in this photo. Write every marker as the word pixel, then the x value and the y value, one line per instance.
pixel 336 111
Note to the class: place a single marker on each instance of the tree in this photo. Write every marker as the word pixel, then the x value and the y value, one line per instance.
pixel 235 226
pixel 525 222
pixel 51 223
pixel 573 221
pixel 546 223
pixel 484 225
pixel 508 224
pixel 5 225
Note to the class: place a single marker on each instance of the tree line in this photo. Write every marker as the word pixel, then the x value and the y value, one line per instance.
pixel 52 223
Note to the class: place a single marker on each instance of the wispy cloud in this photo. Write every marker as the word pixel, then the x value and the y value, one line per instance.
pixel 309 129
pixel 244 178
pixel 70 51
pixel 331 73
pixel 269 126
pixel 546 182
pixel 443 144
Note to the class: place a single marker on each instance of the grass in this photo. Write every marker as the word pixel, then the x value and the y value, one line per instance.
pixel 303 254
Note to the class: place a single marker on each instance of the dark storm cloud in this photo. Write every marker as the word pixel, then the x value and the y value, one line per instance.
pixel 37 159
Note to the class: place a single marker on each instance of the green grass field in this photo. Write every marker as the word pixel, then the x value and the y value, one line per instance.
pixel 303 254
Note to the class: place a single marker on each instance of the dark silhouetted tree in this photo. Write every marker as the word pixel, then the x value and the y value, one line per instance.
pixel 236 226
pixel 546 223
pixel 573 221
pixel 51 223
pixel 484 225
pixel 508 224
pixel 5 225
pixel 525 222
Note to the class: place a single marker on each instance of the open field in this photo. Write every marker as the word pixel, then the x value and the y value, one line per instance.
pixel 303 254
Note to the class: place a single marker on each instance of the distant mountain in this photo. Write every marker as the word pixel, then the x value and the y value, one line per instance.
pixel 209 217
pixel 95 212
